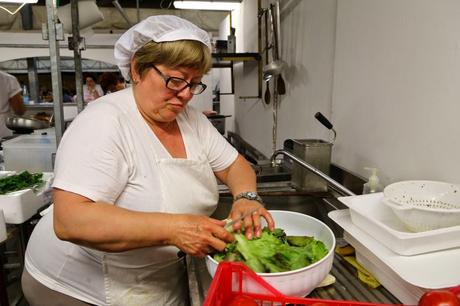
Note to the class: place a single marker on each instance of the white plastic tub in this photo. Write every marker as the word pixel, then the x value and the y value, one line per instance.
pixel 408 294
pixel 29 152
pixel 376 219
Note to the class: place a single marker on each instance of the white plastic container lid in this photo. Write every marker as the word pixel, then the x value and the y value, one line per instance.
pixel 31 142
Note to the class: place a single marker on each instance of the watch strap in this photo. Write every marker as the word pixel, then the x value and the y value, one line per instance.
pixel 250 195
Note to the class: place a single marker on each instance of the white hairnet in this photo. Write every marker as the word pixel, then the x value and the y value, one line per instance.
pixel 159 28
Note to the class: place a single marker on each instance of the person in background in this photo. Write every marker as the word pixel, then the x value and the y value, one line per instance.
pixel 135 182
pixel 91 90
pixel 66 96
pixel 111 82
pixel 10 101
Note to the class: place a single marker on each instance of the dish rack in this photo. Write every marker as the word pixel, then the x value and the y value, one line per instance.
pixel 233 279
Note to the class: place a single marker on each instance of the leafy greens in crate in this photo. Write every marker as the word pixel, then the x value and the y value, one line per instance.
pixel 23 180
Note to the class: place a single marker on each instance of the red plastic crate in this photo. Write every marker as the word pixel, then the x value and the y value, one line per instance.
pixel 233 279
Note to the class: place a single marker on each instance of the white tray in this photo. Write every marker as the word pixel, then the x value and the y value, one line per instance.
pixel 408 294
pixel 20 205
pixel 436 270
pixel 372 216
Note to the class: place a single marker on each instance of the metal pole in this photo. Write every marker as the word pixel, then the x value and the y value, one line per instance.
pixel 33 79
pixel 77 54
pixel 55 69
pixel 259 48
pixel 122 12
pixel 138 11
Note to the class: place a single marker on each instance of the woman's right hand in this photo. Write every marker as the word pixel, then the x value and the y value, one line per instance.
pixel 198 235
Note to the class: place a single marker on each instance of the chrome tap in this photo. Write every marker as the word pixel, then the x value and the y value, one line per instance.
pixel 309 167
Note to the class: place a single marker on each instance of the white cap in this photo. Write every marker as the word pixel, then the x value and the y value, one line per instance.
pixel 158 28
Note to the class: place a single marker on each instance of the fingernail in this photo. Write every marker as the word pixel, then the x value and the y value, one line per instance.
pixel 249 235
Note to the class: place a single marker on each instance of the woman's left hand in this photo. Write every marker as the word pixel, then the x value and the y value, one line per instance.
pixel 252 223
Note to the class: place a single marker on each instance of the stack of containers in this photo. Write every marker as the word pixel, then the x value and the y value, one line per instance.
pixel 406 263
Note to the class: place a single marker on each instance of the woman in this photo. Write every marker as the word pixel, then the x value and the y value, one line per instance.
pixel 91 90
pixel 135 182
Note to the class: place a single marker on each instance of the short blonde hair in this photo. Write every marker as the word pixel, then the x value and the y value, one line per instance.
pixel 173 54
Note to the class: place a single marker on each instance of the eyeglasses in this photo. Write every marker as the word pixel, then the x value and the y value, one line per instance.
pixel 178 84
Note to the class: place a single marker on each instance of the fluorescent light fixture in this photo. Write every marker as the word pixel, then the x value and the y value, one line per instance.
pixel 207 5
pixel 18 1
pixel 21 2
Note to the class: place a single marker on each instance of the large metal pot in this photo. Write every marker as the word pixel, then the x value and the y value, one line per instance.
pixel 23 125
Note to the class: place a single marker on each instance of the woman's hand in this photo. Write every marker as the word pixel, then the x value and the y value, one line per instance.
pixel 198 235
pixel 251 224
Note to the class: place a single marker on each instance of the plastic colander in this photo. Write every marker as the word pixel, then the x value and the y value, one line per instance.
pixel 424 205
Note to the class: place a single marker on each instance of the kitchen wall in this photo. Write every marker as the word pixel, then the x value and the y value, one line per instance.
pixel 387 74
pixel 307 45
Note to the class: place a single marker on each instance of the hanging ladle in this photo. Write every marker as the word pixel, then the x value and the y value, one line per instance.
pixel 267 46
pixel 280 85
pixel 276 66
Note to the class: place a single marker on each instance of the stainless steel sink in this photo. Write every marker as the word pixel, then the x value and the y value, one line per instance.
pixel 280 196
pixel 266 173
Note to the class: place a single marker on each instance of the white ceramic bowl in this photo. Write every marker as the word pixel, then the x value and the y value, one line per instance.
pixel 298 282
pixel 424 205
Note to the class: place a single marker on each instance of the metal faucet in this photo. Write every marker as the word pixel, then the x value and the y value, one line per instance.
pixel 309 167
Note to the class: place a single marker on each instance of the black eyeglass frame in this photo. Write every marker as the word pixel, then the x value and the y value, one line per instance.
pixel 192 86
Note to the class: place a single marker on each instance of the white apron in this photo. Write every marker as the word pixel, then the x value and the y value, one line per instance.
pixel 155 275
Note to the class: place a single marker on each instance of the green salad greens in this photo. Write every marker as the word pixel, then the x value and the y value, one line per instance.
pixel 20 181
pixel 273 251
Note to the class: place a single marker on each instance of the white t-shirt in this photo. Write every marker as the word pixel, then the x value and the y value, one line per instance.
pixel 9 87
pixel 106 155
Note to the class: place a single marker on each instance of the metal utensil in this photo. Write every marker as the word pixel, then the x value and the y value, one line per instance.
pixel 277 65
pixel 25 125
pixel 275 8
pixel 323 120
pixel 229 222
pixel 267 81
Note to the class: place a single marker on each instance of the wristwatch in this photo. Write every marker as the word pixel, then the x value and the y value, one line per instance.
pixel 250 195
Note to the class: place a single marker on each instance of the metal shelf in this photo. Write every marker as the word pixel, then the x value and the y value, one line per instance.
pixel 225 60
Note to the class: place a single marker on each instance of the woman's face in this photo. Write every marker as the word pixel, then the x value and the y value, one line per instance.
pixel 89 82
pixel 157 102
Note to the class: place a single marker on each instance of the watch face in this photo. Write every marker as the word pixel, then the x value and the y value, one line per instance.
pixel 252 195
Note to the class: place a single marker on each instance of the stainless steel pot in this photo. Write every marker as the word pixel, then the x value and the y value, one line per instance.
pixel 23 125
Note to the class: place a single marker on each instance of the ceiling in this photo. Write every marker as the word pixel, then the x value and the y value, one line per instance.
pixel 31 17
pixel 153 4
